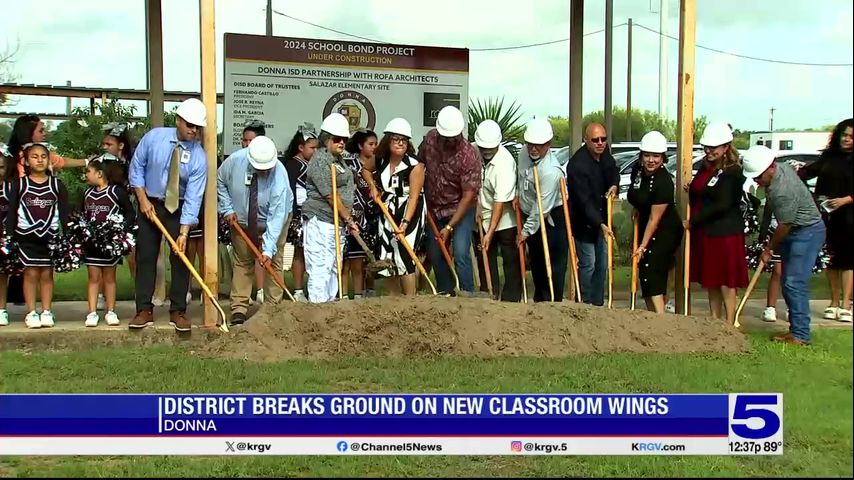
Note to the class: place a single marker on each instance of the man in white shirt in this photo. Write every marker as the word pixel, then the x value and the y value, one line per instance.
pixel 497 216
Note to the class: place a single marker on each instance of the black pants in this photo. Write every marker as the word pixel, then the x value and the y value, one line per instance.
pixel 148 239
pixel 558 253
pixel 504 242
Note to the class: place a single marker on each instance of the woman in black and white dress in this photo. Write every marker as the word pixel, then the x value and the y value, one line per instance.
pixel 399 181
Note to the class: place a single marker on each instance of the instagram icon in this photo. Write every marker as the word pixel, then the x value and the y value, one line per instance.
pixel 516 446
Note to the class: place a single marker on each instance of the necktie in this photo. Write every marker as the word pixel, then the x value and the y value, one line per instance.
pixel 171 200
pixel 253 208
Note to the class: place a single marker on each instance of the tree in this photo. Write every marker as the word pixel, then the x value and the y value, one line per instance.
pixel 560 126
pixel 7 61
pixel 642 121
pixel 493 109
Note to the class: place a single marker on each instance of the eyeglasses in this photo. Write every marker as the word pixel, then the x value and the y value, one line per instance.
pixel 599 139
pixel 399 139
pixel 337 139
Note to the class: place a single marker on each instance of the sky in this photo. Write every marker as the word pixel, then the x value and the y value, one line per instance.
pixel 100 43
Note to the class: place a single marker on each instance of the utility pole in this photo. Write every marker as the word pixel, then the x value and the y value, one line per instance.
pixel 771 121
pixel 609 57
pixel 269 18
pixel 629 86
pixel 662 60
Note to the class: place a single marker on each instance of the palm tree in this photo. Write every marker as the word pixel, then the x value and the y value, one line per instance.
pixel 493 109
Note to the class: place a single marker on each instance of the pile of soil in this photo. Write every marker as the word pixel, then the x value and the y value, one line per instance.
pixel 432 327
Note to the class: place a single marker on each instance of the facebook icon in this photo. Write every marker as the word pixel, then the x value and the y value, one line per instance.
pixel 342 446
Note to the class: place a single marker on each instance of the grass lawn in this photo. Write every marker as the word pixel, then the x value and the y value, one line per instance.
pixel 72 285
pixel 816 383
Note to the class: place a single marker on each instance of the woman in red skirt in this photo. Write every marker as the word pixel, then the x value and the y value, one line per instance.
pixel 718 260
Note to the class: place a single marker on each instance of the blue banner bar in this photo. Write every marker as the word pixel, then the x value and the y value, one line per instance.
pixel 369 415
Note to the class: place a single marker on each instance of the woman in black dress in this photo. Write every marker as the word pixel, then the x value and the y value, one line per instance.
pixel 659 228
pixel 834 190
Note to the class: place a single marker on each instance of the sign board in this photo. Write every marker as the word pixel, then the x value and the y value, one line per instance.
pixel 286 82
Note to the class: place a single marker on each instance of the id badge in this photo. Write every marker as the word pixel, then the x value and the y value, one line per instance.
pixel 714 180
pixel 340 168
pixel 395 181
pixel 185 156
pixel 248 180
pixel 637 183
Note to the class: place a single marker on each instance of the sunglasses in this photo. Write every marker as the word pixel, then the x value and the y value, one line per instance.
pixel 599 139
pixel 399 139
pixel 337 139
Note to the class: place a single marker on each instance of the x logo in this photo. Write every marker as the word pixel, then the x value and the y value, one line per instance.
pixel 229 446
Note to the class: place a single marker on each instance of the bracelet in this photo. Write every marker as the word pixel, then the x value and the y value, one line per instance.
pixel 449 228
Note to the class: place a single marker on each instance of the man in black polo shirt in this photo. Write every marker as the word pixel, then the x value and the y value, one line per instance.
pixel 592 176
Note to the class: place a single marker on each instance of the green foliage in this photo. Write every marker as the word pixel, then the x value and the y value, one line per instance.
pixel 560 126
pixel 494 109
pixel 642 121
pixel 741 139
pixel 80 137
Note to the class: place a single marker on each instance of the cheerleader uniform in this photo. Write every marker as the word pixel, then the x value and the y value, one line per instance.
pixel 4 210
pixel 36 211
pixel 394 190
pixel 297 168
pixel 97 206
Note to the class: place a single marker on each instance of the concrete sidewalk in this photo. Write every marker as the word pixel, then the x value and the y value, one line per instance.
pixel 70 315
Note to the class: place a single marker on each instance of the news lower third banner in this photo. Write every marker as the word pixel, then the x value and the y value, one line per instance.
pixel 391 424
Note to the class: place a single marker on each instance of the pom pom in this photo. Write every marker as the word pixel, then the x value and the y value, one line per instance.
pixel 223 231
pixel 10 263
pixel 754 251
pixel 66 253
pixel 113 237
pixel 822 261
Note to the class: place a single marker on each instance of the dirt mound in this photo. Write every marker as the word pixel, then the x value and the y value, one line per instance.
pixel 430 327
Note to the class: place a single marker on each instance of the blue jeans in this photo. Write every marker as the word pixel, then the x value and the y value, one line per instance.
pixel 798 252
pixel 592 264
pixel 460 250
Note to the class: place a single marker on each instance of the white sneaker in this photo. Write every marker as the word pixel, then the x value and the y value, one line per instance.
pixel 769 315
pixel 92 319
pixel 299 296
pixel 4 317
pixel 111 318
pixel 157 301
pixel 259 296
pixel 32 320
pixel 670 307
pixel 844 316
pixel 101 303
pixel 189 298
pixel 46 319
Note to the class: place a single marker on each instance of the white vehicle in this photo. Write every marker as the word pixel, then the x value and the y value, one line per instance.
pixel 789 142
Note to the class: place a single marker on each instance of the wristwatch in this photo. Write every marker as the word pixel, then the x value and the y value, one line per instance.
pixel 449 228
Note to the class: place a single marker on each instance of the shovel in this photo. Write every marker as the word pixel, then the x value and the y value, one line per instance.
pixel 402 238
pixel 544 235
pixel 521 254
pixel 443 248
pixel 572 255
pixel 634 263
pixel 274 274
pixel 223 325
pixel 373 265
pixel 337 233
pixel 610 254
pixel 750 287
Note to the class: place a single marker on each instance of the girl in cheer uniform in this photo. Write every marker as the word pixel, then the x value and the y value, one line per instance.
pixel 4 276
pixel 299 152
pixel 106 196
pixel 38 206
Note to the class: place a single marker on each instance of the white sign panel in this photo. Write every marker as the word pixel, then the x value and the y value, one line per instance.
pixel 286 82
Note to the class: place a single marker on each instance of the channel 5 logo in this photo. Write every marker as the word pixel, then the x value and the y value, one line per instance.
pixel 756 416
pixel 516 446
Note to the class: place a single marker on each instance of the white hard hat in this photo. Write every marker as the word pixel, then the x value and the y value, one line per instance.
pixel 450 121
pixel 192 110
pixel 262 153
pixel 757 159
pixel 653 142
pixel 539 131
pixel 488 134
pixel 399 126
pixel 716 134
pixel 336 124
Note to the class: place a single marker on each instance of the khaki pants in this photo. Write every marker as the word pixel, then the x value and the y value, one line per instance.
pixel 244 273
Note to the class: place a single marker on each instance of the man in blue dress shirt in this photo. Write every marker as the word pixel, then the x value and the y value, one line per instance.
pixel 253 189
pixel 168 173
